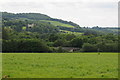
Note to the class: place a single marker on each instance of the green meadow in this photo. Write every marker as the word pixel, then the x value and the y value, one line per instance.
pixel 70 32
pixel 56 23
pixel 60 65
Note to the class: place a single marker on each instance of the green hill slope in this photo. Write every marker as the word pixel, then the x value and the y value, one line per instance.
pixel 20 21
pixel 37 17
pixel 56 23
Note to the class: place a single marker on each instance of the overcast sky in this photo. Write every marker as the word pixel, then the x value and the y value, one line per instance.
pixel 102 13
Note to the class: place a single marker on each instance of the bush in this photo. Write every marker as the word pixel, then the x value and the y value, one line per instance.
pixel 60 50
pixel 25 45
pixel 89 47
pixel 60 42
pixel 108 47
pixel 76 42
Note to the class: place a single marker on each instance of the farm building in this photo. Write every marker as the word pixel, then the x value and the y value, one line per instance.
pixel 70 49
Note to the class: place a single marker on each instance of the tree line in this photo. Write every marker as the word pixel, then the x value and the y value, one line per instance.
pixel 25 41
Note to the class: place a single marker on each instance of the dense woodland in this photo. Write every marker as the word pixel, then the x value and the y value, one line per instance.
pixel 34 32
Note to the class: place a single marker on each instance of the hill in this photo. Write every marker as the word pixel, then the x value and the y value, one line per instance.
pixel 37 16
pixel 47 24
pixel 20 22
pixel 32 16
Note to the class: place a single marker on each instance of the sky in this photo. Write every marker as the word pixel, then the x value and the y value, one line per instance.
pixel 86 13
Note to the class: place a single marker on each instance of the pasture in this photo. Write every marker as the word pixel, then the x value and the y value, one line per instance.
pixel 60 65
pixel 56 23
pixel 70 32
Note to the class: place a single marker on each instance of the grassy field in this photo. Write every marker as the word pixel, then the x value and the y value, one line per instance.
pixel 56 23
pixel 70 32
pixel 60 65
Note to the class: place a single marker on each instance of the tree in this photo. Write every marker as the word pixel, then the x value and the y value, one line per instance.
pixel 5 33
pixel 60 42
pixel 76 42
pixel 87 47
pixel 25 45
pixel 70 36
pixel 53 37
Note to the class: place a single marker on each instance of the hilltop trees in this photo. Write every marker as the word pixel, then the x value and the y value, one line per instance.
pixel 32 16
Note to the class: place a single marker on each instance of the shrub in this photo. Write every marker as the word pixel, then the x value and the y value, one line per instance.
pixel 87 47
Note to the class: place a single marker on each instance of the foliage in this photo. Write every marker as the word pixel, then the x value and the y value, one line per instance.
pixel 35 28
pixel 25 45
pixel 87 47
pixel 33 16
pixel 76 42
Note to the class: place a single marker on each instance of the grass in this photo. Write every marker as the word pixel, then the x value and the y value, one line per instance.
pixel 56 23
pixel 60 65
pixel 70 32
pixel 0 65
pixel 24 28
